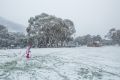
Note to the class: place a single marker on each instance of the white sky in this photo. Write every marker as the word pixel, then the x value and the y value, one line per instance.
pixel 89 16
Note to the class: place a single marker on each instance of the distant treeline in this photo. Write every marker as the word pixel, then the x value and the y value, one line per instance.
pixel 49 31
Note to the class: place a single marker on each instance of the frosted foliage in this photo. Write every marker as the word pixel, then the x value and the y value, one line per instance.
pixel 114 35
pixel 50 30
pixel 11 39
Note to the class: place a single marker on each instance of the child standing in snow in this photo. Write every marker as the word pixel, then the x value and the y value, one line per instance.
pixel 28 51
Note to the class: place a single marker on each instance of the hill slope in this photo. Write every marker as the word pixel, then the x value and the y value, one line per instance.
pixel 12 26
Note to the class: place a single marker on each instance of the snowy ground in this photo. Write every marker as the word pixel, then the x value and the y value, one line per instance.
pixel 81 63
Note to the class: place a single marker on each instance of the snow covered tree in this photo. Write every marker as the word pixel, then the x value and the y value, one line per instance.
pixel 11 39
pixel 87 39
pixel 20 39
pixel 114 35
pixel 49 31
pixel 3 30
pixel 83 40
pixel 3 36
pixel 97 38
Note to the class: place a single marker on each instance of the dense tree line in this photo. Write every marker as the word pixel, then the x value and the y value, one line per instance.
pixel 49 31
pixel 87 39
pixel 11 39
pixel 114 35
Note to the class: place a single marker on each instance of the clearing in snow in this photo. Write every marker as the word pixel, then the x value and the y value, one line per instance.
pixel 81 63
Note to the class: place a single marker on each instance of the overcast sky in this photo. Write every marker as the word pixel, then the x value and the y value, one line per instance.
pixel 89 16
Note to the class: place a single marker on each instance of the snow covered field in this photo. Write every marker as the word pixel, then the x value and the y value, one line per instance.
pixel 81 63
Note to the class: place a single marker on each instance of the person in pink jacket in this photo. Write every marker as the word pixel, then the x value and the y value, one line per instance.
pixel 28 51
